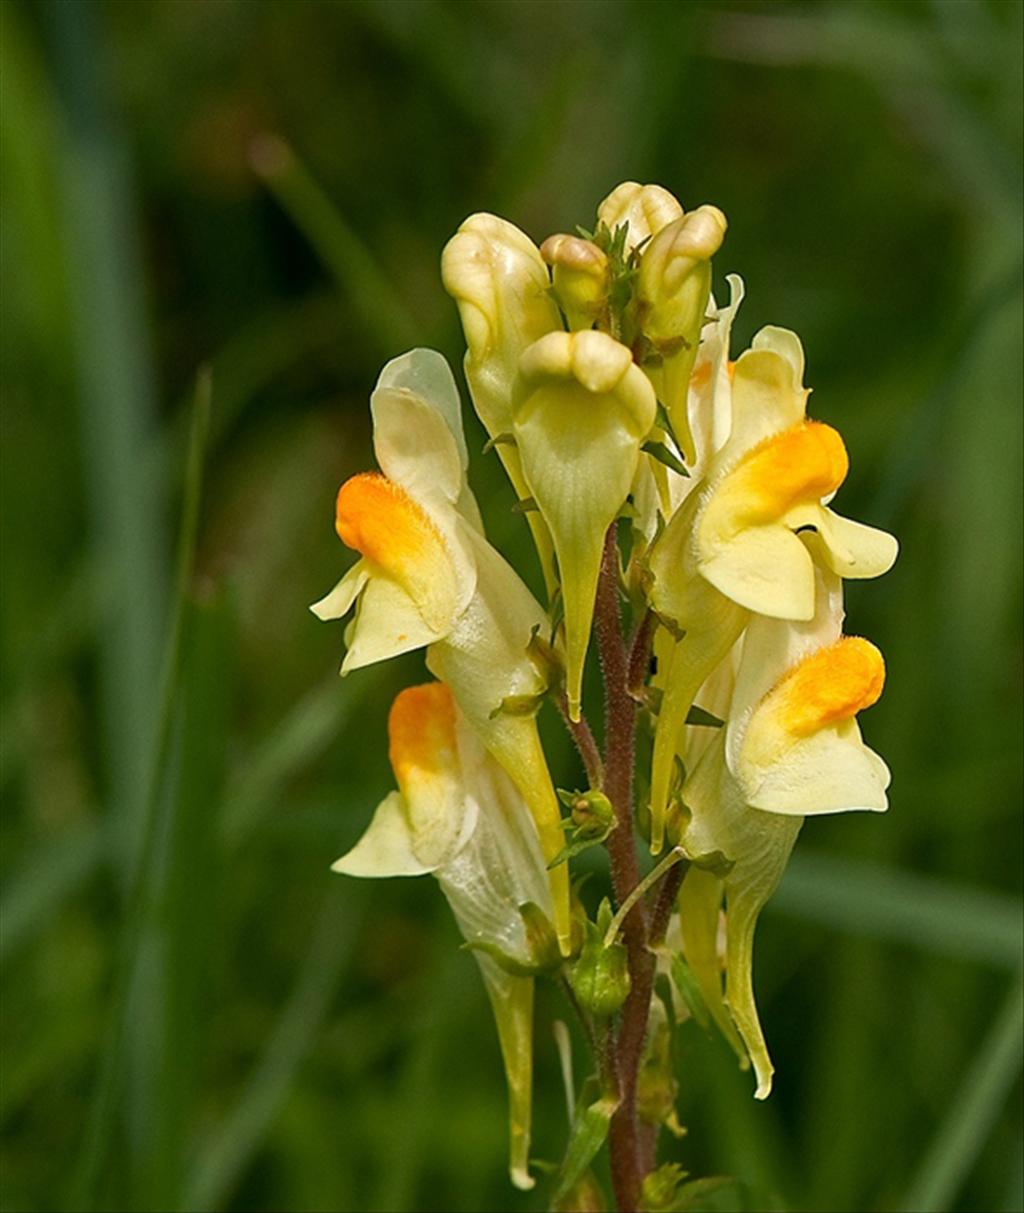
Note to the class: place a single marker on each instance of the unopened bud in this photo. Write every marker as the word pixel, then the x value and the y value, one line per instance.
pixel 580 278
pixel 658 1193
pixel 646 208
pixel 592 812
pixel 673 290
pixel 600 978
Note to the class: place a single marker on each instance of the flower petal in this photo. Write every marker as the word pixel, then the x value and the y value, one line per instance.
pixel 425 757
pixel 496 275
pixel 419 549
pixel 853 550
pixel 386 847
pixel 426 374
pixel 767 395
pixel 484 659
pixel 501 285
pixel 387 622
pixel 338 602
pixel 415 406
pixel 765 569
pixel 828 772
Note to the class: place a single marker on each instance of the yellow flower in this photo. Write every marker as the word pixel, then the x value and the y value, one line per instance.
pixel 733 548
pixel 458 815
pixel 428 577
pixel 792 749
pixel 581 413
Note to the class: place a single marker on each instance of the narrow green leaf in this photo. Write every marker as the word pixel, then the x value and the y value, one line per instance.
pixel 971 1113
pixel 386 319
pixel 228 1148
pixel 903 907
pixel 587 1136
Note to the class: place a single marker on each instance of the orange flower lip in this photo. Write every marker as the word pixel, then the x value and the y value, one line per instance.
pixel 830 686
pixel 801 464
pixel 421 733
pixel 378 519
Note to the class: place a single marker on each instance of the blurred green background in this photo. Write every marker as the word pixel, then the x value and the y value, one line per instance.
pixel 197 1014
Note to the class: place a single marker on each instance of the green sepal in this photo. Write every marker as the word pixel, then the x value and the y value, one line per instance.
pixel 664 422
pixel 517 705
pixel 589 1131
pixel 502 439
pixel 660 1188
pixel 507 963
pixel 659 451
pixel 577 847
pixel 715 862
pixel 715 1194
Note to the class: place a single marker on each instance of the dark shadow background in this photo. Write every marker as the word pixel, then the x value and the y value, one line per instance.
pixel 201 1016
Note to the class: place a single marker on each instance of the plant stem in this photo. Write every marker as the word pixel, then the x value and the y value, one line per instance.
pixel 629 1161
pixel 586 746
pixel 661 911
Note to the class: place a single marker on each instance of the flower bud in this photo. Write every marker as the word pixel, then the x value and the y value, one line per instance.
pixel 657 1087
pixel 592 812
pixel 673 290
pixel 646 208
pixel 580 276
pixel 658 1193
pixel 600 978
pixel 495 274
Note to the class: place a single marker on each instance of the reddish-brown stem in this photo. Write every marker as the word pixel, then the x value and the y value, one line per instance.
pixel 665 900
pixel 640 654
pixel 628 1152
pixel 586 746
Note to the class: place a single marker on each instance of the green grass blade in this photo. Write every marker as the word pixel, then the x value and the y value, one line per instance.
pixel 313 724
pixel 137 951
pixel 46 878
pixel 903 907
pixel 224 1159
pixel 972 1113
pixel 387 320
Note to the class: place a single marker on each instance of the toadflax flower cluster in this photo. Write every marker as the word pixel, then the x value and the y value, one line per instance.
pixel 641 451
